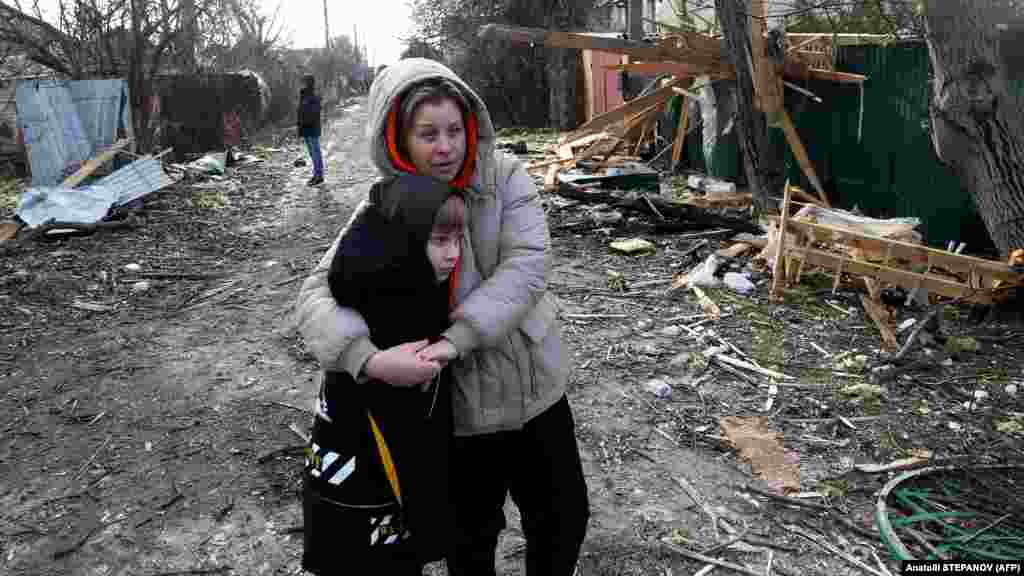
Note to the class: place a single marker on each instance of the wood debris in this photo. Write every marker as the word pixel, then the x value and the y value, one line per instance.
pixel 879 253
pixel 684 55
pixel 763 449
pixel 8 230
pixel 95 163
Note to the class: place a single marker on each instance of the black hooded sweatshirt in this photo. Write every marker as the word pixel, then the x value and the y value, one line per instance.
pixel 382 271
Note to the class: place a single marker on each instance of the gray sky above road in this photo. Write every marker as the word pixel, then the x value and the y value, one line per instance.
pixel 380 23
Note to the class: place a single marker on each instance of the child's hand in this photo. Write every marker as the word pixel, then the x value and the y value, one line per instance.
pixel 401 365
pixel 442 352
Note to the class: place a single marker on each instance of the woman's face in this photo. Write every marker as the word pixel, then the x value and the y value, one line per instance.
pixel 436 141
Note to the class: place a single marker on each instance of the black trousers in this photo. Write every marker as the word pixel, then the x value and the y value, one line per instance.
pixel 540 467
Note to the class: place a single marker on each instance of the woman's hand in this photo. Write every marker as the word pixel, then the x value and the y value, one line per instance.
pixel 401 365
pixel 441 352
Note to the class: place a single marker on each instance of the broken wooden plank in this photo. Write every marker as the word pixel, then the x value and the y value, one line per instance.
pixel 634 107
pixel 755 24
pixel 558 39
pixel 780 244
pixel 688 94
pixel 734 251
pixel 588 140
pixel 936 284
pixel 8 230
pixel 675 68
pixel 677 145
pixel 797 146
pixel 917 254
pixel 94 163
pixel 567 160
pixel 706 304
pixel 803 42
pixel 833 76
pixel 755 241
pixel 880 316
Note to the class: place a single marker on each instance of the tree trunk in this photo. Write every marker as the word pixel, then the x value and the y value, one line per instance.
pixel 750 123
pixel 976 126
pixel 562 68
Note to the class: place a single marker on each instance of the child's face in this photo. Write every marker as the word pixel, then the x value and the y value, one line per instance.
pixel 443 250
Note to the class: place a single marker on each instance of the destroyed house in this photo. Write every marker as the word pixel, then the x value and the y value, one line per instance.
pixel 871 144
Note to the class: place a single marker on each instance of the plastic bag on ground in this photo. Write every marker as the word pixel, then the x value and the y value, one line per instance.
pixel 738 282
pixel 704 273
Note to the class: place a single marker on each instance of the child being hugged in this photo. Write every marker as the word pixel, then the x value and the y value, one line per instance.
pixel 376 482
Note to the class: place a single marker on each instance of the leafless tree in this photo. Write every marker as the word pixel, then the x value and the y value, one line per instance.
pixel 510 78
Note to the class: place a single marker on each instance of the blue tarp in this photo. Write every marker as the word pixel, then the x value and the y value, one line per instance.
pixel 66 122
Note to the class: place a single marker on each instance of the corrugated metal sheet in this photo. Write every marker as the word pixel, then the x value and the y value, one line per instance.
pixel 66 122
pixel 137 179
pixel 88 204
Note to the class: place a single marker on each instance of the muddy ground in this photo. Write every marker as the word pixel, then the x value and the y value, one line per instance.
pixel 146 428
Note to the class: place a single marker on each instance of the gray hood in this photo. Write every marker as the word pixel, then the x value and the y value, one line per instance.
pixel 392 83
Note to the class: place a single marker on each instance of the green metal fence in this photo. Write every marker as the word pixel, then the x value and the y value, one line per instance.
pixel 876 153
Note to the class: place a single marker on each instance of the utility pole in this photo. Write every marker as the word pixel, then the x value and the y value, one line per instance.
pixel 329 81
pixel 327 29
pixel 355 40
pixel 636 20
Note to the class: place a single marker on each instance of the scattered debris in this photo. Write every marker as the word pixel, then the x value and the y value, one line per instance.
pixel 710 185
pixel 762 448
pixel 862 391
pixel 658 387
pixel 213 163
pixel 701 275
pixel 8 230
pixel 919 457
pixel 91 203
pixel 633 246
pixel 738 282
pixel 706 304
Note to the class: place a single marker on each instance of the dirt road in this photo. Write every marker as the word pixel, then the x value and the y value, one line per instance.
pixel 146 427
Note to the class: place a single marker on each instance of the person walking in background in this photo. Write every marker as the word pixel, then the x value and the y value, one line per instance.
pixel 309 127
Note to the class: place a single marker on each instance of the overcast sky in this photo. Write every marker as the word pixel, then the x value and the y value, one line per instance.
pixel 379 23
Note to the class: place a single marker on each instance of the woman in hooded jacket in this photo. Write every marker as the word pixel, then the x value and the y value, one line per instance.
pixel 513 429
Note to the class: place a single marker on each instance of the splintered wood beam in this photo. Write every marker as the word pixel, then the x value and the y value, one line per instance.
pixel 677 146
pixel 780 242
pixel 676 68
pixel 916 254
pixel 634 107
pixel 797 146
pixel 880 316
pixel 566 156
pixel 557 39
pixel 803 42
pixel 688 94
pixel 94 163
pixel 799 192
pixel 906 279
pixel 694 42
pixel 833 76
pixel 756 23
pixel 841 38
